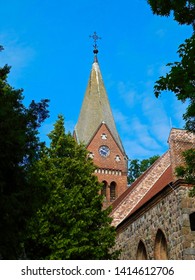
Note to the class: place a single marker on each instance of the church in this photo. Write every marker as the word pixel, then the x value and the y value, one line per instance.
pixel 97 130
pixel 154 217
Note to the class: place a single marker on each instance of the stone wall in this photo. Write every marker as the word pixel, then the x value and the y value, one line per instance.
pixel 169 213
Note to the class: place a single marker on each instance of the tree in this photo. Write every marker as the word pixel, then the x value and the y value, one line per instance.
pixel 181 81
pixel 19 147
pixel 183 11
pixel 188 171
pixel 181 77
pixel 71 223
pixel 133 171
pixel 137 167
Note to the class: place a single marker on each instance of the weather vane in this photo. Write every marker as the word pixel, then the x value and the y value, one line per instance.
pixel 95 37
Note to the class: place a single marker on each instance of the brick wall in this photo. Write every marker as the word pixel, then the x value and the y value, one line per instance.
pixel 179 141
pixel 112 168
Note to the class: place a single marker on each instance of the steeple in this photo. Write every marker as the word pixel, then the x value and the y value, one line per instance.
pixel 95 108
pixel 97 130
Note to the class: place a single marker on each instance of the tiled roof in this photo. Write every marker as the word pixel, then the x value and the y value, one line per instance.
pixel 155 178
pixel 163 181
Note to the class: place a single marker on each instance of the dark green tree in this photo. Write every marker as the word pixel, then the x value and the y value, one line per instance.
pixel 19 147
pixel 188 171
pixel 181 81
pixel 133 170
pixel 137 167
pixel 181 77
pixel 71 224
pixel 183 10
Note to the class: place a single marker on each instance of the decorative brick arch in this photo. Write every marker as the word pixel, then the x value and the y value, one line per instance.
pixel 160 246
pixel 113 186
pixel 141 251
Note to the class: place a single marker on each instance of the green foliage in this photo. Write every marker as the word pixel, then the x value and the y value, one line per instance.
pixel 183 11
pixel 133 171
pixel 19 147
pixel 137 167
pixel 187 172
pixel 71 223
pixel 181 77
pixel 181 80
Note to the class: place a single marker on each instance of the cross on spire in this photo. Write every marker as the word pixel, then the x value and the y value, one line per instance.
pixel 95 37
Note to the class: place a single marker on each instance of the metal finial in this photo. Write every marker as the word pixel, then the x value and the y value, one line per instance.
pixel 95 37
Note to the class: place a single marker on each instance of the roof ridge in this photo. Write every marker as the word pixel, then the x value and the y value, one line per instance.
pixel 147 191
pixel 137 181
pixel 139 189
pixel 168 175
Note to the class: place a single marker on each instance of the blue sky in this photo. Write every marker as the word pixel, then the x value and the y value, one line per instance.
pixel 48 46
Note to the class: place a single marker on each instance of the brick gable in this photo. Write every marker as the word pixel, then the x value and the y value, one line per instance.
pixel 112 168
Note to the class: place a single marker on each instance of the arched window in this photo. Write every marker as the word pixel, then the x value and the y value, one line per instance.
pixel 192 221
pixel 141 251
pixel 160 247
pixel 112 191
pixel 103 190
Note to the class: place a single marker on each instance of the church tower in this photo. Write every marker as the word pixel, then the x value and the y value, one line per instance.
pixel 97 130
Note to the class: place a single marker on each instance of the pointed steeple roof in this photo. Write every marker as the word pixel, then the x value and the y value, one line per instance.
pixel 95 109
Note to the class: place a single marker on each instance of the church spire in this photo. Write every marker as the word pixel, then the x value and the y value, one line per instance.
pixel 96 107
pixel 96 129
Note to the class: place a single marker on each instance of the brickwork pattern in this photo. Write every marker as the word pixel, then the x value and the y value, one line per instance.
pixel 141 189
pixel 179 141
pixel 112 168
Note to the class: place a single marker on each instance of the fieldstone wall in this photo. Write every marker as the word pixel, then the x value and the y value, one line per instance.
pixel 169 213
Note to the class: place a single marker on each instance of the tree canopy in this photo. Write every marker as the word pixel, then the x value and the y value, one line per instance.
pixel 188 171
pixel 19 147
pixel 138 167
pixel 181 80
pixel 181 77
pixel 183 10
pixel 71 224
